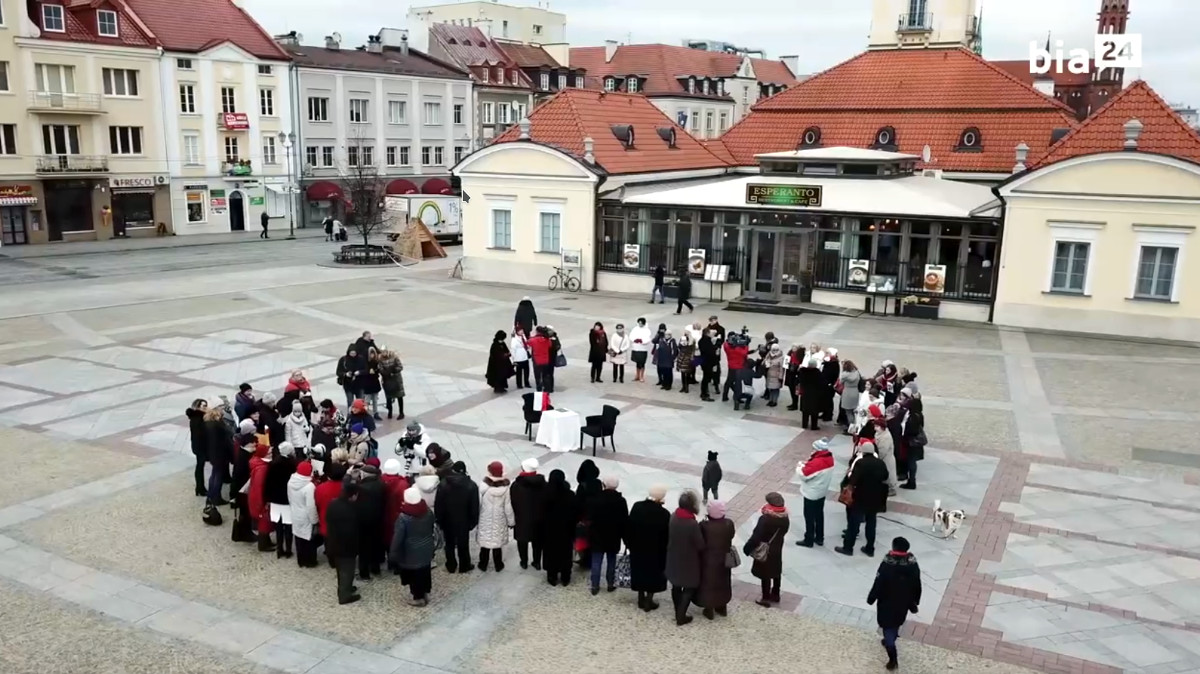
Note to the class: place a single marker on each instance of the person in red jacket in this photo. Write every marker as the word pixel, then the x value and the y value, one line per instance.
pixel 737 347
pixel 326 492
pixel 394 485
pixel 260 508
pixel 539 349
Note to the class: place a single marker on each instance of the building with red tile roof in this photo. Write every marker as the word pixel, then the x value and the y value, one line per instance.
pixel 546 74
pixel 704 91
pixel 193 26
pixel 503 91
pixel 572 116
pixel 102 22
pixel 969 112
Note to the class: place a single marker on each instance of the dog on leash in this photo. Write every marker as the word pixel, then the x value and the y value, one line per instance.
pixel 948 520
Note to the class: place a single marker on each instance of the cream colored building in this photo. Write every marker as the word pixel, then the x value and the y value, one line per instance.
pixel 512 23
pixel 924 23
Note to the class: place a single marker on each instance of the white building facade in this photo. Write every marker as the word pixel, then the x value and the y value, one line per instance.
pixel 503 22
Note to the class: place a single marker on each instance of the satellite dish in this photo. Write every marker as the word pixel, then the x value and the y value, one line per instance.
pixel 299 38
pixel 926 154
pixel 337 37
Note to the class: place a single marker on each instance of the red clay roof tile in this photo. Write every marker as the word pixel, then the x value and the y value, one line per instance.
pixel 1163 130
pixel 528 55
pixel 389 61
pixel 663 65
pixel 571 115
pixel 1020 70
pixel 196 25
pixel 80 22
pixel 929 96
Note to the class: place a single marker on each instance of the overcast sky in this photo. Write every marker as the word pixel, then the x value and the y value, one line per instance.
pixel 822 32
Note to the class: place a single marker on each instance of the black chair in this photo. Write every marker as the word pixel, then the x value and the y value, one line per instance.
pixel 531 417
pixel 601 426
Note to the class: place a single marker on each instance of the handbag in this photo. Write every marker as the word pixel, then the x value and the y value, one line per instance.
pixel 762 550
pixel 732 559
pixel 624 571
pixel 846 496
pixel 560 360
pixel 439 539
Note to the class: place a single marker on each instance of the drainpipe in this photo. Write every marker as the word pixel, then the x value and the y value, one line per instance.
pixel 298 146
pixel 162 127
pixel 598 217
pixel 999 256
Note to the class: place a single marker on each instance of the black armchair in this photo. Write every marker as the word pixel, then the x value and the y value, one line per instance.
pixel 601 426
pixel 531 417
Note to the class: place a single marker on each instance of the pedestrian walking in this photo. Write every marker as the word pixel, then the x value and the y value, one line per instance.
pixel 895 593
pixel 525 316
pixel 660 279
pixel 266 220
pixel 684 291
pixel 327 225
pixel 710 478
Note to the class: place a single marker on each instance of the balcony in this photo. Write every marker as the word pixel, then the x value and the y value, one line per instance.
pixel 915 23
pixel 71 164
pixel 71 104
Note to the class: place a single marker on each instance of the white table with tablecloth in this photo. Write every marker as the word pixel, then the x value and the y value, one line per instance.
pixel 559 430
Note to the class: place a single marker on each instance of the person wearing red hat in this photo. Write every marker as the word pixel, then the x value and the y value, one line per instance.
pixel 302 500
pixel 325 494
pixel 495 517
pixel 260 508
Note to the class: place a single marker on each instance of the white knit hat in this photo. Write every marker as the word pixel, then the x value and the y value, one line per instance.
pixel 412 496
pixel 391 467
pixel 247 427
pixel 286 449
pixel 529 465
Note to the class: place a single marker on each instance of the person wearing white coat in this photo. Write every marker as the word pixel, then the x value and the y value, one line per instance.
pixel 641 338
pixel 427 484
pixel 619 345
pixel 297 430
pixel 518 346
pixel 301 493
pixel 496 517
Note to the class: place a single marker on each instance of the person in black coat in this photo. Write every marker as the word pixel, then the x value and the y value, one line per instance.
pixel 365 343
pixel 456 508
pixel 812 395
pixel 608 514
pixel 710 364
pixel 660 282
pixel 372 498
pixel 831 369
pixel 527 493
pixel 867 479
pixel 347 366
pixel 560 516
pixel 499 365
pixel 685 291
pixel 646 538
pixel 895 593
pixel 912 441
pixel 279 471
pixel 342 540
pixel 526 315
pixel 247 442
pixel 268 419
pixel 219 452
pixel 597 351
pixel 199 438
pixel 587 481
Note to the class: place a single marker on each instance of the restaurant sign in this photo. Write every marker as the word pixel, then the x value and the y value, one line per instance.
pixel 235 120
pixel 784 195
pixel 16 190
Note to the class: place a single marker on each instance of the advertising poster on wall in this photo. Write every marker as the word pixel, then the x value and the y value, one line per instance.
pixel 571 259
pixel 632 256
pixel 696 258
pixel 857 273
pixel 935 278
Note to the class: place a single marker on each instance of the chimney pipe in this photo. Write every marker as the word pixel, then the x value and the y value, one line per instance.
pixel 404 44
pixel 792 63
pixel 1133 132
pixel 589 147
pixel 610 50
pixel 331 43
pixel 374 45
pixel 524 124
pixel 1022 155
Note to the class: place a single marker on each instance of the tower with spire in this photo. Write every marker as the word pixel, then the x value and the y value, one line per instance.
pixel 1107 82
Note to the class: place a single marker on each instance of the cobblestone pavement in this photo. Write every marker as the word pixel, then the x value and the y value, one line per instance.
pixel 1073 459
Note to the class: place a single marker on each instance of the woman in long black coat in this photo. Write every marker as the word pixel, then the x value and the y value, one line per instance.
pixel 831 369
pixel 499 366
pixel 560 515
pixel 716 579
pixel 199 438
pixel 812 395
pixel 646 538
pixel 597 351
pixel 219 454
pixel 526 315
pixel 773 525
pixel 588 487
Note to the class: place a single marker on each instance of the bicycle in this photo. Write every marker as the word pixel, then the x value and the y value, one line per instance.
pixel 563 276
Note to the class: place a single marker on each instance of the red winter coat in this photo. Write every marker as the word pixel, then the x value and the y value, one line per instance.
pixel 326 492
pixel 539 348
pixel 259 507
pixel 394 486
pixel 736 355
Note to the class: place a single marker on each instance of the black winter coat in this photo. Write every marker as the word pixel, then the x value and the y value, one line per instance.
pixel 560 515
pixel 914 427
pixel 199 435
pixel 456 505
pixel 812 390
pixel 586 493
pixel 897 589
pixel 526 317
pixel 868 477
pixel 219 447
pixel 372 498
pixel 528 493
pixel 241 469
pixel 770 529
pixel 606 529
pixel 499 366
pixel 685 544
pixel 341 528
pixel 646 538
pixel 716 581
pixel 685 286
pixel 710 357
pixel 597 346
pixel 367 381
pixel 268 422
pixel 279 471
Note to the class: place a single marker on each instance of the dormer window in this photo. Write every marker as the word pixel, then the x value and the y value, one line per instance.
pixel 691 85
pixel 623 133
pixel 720 87
pixel 106 23
pixel 811 137
pixel 704 87
pixel 610 84
pixel 499 75
pixel 562 81
pixel 970 140
pixel 545 81
pixel 631 85
pixel 52 19
pixel 483 75
pixel 885 138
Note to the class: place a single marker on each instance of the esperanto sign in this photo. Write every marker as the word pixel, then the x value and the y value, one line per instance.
pixel 784 195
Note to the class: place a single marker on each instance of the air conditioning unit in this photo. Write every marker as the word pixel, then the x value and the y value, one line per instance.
pixel 932 173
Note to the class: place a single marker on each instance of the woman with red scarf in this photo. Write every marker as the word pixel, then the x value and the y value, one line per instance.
pixel 772 525
pixel 413 546
pixel 685 547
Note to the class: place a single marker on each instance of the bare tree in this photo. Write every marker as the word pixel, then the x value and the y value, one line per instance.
pixel 365 212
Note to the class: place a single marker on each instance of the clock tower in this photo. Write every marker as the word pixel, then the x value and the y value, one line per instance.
pixel 1107 82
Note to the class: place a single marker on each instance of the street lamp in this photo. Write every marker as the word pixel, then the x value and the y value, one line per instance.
pixel 287 140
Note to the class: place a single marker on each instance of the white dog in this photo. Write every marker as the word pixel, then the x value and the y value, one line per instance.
pixel 948 520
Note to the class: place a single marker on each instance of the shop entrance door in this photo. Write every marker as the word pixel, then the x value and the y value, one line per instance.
pixel 760 278
pixel 237 212
pixel 13 225
pixel 779 265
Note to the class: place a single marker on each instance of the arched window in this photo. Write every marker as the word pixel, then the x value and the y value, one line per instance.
pixel 970 140
pixel 811 137
pixel 885 138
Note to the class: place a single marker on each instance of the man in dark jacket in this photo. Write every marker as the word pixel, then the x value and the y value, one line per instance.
pixel 365 343
pixel 526 315
pixel 244 402
pixel 895 593
pixel 456 507
pixel 372 499
pixel 266 221
pixel 341 540
pixel 528 492
pixel 685 291
pixel 710 364
pixel 607 513
pixel 868 481
pixel 812 395
pixel 660 281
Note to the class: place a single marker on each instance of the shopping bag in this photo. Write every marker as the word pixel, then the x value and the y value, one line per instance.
pixel 624 571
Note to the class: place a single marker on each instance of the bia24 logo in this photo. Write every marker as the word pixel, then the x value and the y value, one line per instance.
pixel 1110 51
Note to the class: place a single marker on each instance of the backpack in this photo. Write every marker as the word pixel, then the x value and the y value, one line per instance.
pixel 211 515
pixel 862 384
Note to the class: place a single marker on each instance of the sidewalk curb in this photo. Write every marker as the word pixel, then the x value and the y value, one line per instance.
pixel 164 245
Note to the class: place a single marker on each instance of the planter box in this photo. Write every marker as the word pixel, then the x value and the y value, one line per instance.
pixel 926 311
pixel 671 292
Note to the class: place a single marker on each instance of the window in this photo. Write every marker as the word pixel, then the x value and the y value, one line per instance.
pixel 433 113
pixel 231 149
pixel 327 156
pixel 551 226
pixel 187 99
pixel 120 82
pixel 500 75
pixel 518 112
pixel 310 155
pixel 318 109
pixel 458 113
pixel 724 122
pixel 610 84
pixel 183 64
pixel 195 205
pixel 545 79
pixel 488 113
pixel 266 102
pixel 579 81
pixel 265 70
pixel 631 85
pixel 503 110
pixel 562 81
pixel 708 123
pixel 404 155
pixel 389 155
pixel 368 155
pixel 52 18
pixel 397 112
pixel 691 85
pixel 501 228
pixel 60 139
pixel 426 155
pixel 125 139
pixel 106 23
pixel 191 149
pixel 228 99
pixel 537 30
pixel 704 87
pixel 268 155
pixel 352 156
pixel 358 110
pixel 1156 273
pixel 3 75
pixel 1070 267
pixel 459 151
pixel 483 75
pixel 8 138
pixel 439 155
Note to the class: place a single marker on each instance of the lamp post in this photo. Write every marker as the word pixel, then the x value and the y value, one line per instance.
pixel 287 140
